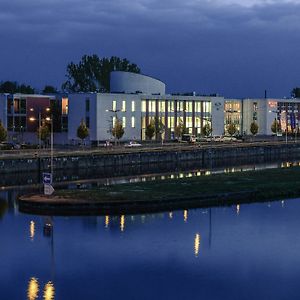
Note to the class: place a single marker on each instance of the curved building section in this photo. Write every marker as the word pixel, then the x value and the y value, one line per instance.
pixel 132 83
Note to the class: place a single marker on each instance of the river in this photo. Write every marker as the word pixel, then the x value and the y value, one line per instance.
pixel 247 251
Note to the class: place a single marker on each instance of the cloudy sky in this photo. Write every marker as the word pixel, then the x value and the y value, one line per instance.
pixel 236 48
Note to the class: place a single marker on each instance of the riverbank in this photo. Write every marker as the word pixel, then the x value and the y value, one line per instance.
pixel 39 162
pixel 203 191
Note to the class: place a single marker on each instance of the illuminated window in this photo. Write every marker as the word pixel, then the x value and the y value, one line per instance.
pixel 114 105
pixel 114 121
pixel 123 105
pixel 124 122
pixel 132 106
pixel 132 122
pixel 143 106
pixel 64 106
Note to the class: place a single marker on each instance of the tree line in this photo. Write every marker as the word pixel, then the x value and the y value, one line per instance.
pixel 90 74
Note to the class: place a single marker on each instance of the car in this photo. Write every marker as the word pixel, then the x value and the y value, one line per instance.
pixel 132 144
pixel 9 146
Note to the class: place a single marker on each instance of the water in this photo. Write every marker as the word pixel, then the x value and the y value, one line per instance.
pixel 238 252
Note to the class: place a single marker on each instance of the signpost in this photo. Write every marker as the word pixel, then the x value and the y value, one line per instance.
pixel 48 189
pixel 47 181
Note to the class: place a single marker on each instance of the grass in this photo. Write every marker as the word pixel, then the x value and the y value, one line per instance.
pixel 267 184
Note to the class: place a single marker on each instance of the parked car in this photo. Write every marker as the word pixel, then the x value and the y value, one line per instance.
pixel 9 146
pixel 189 138
pixel 132 144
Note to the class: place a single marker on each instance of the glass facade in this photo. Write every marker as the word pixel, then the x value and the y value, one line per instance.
pixel 233 114
pixel 193 115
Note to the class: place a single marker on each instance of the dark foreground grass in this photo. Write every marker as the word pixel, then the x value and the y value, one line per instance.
pixel 266 184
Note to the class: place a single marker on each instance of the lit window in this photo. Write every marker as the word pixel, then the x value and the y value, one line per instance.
pixel 123 105
pixel 132 122
pixel 124 122
pixel 132 106
pixel 114 121
pixel 143 106
pixel 114 105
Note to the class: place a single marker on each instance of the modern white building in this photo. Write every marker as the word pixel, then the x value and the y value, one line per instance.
pixel 137 101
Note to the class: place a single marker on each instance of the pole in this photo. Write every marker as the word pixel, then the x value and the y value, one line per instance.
pixel 52 145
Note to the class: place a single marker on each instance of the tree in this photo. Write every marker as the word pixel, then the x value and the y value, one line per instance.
pixel 82 131
pixel 179 130
pixel 275 127
pixel 207 130
pixel 159 127
pixel 49 89
pixel 118 130
pixel 43 132
pixel 295 92
pixel 12 87
pixel 231 129
pixel 254 128
pixel 150 130
pixel 3 132
pixel 92 74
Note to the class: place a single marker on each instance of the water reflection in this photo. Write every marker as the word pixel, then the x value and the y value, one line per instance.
pixel 122 223
pixel 185 215
pixel 197 244
pixel 33 289
pixel 106 221
pixel 32 230
pixel 49 291
pixel 238 209
pixel 170 215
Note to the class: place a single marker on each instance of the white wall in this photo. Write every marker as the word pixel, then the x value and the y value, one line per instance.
pixel 217 113
pixel 105 115
pixel 77 113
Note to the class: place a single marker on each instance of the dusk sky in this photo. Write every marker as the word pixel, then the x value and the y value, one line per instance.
pixel 236 48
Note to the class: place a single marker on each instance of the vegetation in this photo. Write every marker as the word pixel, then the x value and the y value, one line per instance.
pixel 231 129
pixel 159 127
pixel 262 184
pixel 180 129
pixel 275 127
pixel 49 89
pixel 150 130
pixel 207 130
pixel 13 87
pixel 254 128
pixel 3 132
pixel 296 92
pixel 82 131
pixel 92 74
pixel 43 132
pixel 118 130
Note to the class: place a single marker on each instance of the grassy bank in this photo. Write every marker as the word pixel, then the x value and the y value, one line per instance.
pixel 266 184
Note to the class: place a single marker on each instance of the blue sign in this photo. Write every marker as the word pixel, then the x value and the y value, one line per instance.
pixel 47 178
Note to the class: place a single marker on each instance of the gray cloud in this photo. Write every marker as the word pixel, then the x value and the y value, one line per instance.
pixel 208 46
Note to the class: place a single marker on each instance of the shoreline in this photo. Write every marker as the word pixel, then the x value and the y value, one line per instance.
pixel 215 190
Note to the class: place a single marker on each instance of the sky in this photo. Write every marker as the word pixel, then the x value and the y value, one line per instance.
pixel 235 48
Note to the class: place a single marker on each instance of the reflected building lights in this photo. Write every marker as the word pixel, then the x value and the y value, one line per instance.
pixel 32 230
pixel 122 223
pixel 238 209
pixel 33 289
pixel 106 221
pixel 170 215
pixel 185 215
pixel 197 244
pixel 49 291
pixel 282 203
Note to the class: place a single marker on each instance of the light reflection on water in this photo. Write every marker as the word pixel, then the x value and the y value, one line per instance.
pixel 253 247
